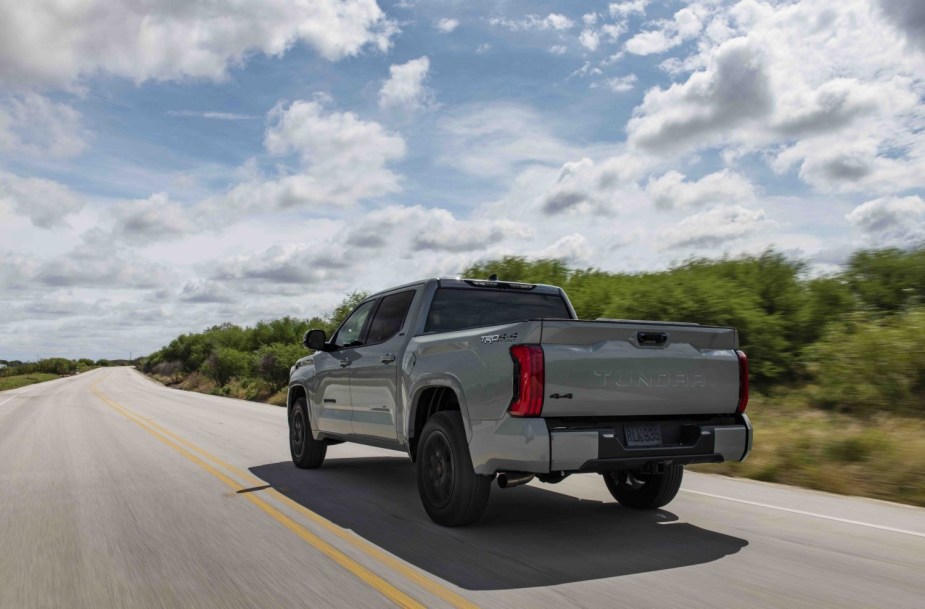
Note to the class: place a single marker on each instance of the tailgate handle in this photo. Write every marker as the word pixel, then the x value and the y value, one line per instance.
pixel 652 338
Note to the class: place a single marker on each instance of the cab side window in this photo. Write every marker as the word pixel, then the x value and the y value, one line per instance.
pixel 390 317
pixel 349 333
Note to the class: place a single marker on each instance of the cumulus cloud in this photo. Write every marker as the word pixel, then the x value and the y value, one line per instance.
pixel 909 17
pixel 723 187
pixel 172 40
pixel 795 82
pixel 590 40
pixel 431 229
pixel 96 263
pixel 624 9
pixel 34 125
pixel 45 202
pixel 343 159
pixel 735 90
pixel 719 226
pixel 405 86
pixel 284 263
pixel 153 219
pixel 206 292
pixel 573 248
pixel 446 25
pixel 666 34
pixel 891 221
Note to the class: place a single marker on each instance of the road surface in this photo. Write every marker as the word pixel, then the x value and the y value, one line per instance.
pixel 117 492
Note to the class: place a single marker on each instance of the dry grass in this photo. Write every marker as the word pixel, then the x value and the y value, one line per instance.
pixel 882 456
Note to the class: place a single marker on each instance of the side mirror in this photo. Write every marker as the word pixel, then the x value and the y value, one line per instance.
pixel 315 340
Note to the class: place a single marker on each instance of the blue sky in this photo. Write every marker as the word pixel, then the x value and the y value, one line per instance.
pixel 169 166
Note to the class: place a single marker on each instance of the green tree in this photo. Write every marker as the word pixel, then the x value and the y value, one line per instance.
pixel 274 362
pixel 225 363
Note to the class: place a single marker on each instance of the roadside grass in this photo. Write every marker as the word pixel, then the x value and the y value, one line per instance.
pixel 21 380
pixel 253 390
pixel 881 456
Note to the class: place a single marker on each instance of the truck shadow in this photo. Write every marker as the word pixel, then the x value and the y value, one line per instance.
pixel 528 537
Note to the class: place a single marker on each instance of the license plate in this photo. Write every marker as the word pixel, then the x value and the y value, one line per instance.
pixel 642 435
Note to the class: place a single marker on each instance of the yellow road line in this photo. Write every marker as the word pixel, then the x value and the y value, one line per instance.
pixel 385 588
pixel 364 546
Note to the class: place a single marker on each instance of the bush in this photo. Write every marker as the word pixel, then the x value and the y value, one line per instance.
pixel 274 362
pixel 868 364
pixel 226 363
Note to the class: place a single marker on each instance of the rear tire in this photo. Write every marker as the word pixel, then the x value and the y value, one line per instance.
pixel 452 493
pixel 306 451
pixel 645 491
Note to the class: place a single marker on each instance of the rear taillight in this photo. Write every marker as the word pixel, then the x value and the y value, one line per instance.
pixel 743 381
pixel 529 380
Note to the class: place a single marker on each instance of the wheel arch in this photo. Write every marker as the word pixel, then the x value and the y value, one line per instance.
pixel 430 399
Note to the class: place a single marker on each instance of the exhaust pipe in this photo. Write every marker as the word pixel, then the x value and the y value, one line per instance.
pixel 512 479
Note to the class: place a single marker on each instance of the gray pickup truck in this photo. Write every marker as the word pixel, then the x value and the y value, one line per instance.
pixel 483 379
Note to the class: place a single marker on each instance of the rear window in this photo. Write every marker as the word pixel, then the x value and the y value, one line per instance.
pixel 457 309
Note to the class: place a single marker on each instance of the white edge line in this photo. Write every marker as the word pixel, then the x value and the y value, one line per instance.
pixel 812 514
pixel 10 399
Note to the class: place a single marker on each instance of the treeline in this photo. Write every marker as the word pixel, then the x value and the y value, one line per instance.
pixel 853 338
pixel 255 360
pixel 51 365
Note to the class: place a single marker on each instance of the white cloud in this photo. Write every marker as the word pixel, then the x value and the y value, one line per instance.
pixel 552 21
pixel 723 187
pixel 711 104
pixel 343 159
pixel 909 17
pixel 446 25
pixel 34 125
pixel 891 221
pixel 97 264
pixel 719 226
pixel 285 263
pixel 492 140
pixel 624 9
pixel 573 248
pixel 405 86
pixel 483 48
pixel 589 19
pixel 41 44
pixel 45 202
pixel 558 49
pixel 828 89
pixel 153 219
pixel 620 84
pixel 590 40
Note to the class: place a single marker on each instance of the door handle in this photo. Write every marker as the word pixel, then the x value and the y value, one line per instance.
pixel 388 358
pixel 344 363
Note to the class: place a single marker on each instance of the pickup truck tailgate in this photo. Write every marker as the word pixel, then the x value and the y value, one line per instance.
pixel 626 368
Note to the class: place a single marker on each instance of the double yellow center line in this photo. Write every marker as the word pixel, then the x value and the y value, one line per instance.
pixel 203 458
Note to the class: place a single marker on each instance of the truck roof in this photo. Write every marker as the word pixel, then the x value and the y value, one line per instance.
pixel 464 283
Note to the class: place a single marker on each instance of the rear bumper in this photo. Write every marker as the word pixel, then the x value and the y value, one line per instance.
pixel 543 446
pixel 605 449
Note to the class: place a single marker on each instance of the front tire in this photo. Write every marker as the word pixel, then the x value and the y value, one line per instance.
pixel 645 491
pixel 452 493
pixel 306 451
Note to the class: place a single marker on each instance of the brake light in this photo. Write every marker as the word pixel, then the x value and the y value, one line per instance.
pixel 529 380
pixel 743 381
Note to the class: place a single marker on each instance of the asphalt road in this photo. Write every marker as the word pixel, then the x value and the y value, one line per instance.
pixel 117 492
